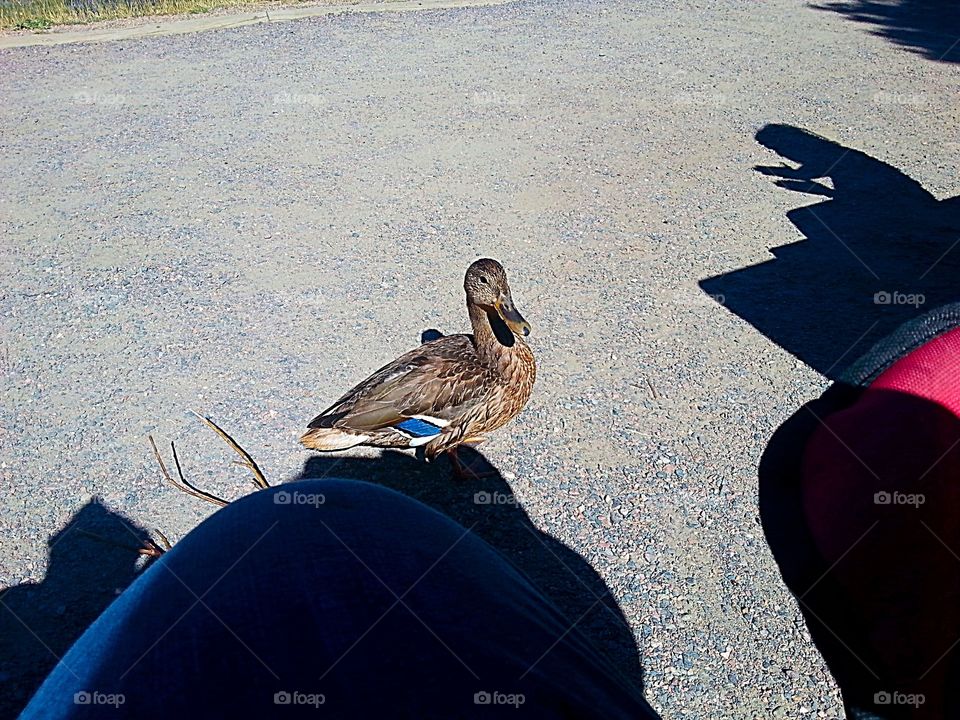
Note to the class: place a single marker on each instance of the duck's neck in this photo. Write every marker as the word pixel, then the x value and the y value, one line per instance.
pixel 494 351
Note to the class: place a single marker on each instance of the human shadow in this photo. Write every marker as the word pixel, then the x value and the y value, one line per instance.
pixel 486 505
pixel 930 28
pixel 874 278
pixel 879 250
pixel 91 560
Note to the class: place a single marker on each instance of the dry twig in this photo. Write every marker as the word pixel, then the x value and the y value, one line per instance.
pixel 181 483
pixel 150 548
pixel 248 462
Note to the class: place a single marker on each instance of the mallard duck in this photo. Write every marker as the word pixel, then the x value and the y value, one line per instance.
pixel 452 390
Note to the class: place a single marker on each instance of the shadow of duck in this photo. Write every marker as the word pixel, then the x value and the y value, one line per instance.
pixel 487 506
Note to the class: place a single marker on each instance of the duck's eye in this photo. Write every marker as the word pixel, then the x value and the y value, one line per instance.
pixel 484 280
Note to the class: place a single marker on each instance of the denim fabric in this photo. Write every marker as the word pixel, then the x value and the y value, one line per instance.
pixel 333 598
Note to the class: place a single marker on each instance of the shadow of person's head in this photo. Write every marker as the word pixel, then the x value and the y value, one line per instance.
pixel 877 252
pixel 856 176
pixel 816 153
pixel 91 560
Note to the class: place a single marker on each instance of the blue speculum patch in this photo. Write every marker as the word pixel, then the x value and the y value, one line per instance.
pixel 418 428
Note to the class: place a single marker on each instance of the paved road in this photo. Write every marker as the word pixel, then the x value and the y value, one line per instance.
pixel 246 221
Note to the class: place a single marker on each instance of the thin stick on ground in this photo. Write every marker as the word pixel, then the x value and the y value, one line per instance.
pixel 248 462
pixel 183 485
pixel 163 540
pixel 150 548
pixel 154 549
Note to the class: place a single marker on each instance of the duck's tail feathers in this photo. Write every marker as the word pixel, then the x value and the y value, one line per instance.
pixel 326 439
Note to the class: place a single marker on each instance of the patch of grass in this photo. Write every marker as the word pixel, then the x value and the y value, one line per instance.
pixel 42 14
pixel 33 23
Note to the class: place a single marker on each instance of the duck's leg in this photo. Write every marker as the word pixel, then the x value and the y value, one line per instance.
pixel 459 469
pixel 463 472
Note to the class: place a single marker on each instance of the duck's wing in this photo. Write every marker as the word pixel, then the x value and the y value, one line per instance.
pixel 418 394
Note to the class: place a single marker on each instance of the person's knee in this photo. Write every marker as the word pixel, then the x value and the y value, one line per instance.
pixel 316 527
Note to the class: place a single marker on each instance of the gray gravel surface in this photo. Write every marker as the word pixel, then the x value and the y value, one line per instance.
pixel 247 221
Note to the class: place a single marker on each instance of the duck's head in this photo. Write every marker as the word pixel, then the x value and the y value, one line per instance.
pixel 487 288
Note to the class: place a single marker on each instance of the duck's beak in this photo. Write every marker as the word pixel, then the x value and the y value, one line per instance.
pixel 510 315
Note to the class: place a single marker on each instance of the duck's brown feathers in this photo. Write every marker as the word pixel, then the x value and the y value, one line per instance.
pixel 463 386
pixel 444 379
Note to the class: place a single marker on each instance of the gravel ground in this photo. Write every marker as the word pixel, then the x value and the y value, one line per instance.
pixel 247 221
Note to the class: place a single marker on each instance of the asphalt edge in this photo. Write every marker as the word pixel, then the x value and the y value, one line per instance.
pixel 160 26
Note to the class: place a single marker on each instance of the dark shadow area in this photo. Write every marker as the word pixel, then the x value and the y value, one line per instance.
pixel 430 335
pixel 877 583
pixel 486 505
pixel 929 28
pixel 822 599
pixel 874 278
pixel 39 622
pixel 877 251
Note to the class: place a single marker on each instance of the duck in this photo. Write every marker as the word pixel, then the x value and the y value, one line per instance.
pixel 449 391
